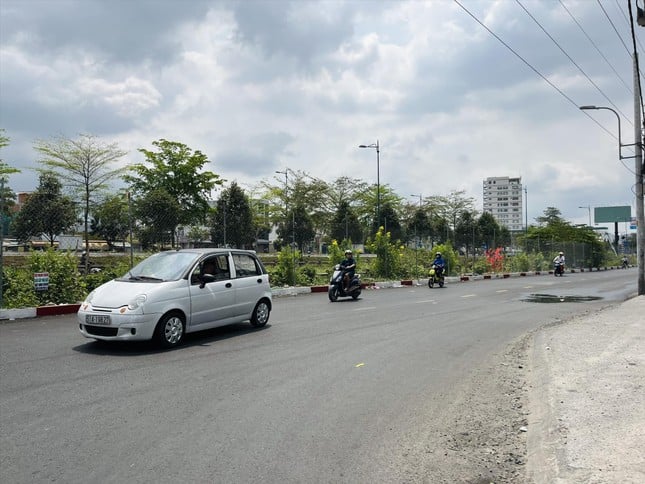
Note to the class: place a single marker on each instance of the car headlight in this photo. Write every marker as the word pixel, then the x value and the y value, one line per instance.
pixel 90 296
pixel 137 302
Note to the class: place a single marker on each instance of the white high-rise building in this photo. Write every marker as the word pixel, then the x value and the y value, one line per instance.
pixel 503 200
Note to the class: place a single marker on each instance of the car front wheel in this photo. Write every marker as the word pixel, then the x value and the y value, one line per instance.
pixel 170 330
pixel 261 313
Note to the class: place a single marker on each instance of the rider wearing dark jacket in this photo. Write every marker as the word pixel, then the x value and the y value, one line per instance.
pixel 349 266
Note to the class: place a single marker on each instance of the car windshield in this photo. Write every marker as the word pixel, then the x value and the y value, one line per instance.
pixel 164 266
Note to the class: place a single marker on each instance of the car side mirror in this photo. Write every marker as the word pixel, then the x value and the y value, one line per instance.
pixel 205 278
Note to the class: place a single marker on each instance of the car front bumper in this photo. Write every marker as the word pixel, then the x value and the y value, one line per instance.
pixel 121 327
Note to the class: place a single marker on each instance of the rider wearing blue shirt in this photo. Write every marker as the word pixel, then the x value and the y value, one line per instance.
pixel 439 263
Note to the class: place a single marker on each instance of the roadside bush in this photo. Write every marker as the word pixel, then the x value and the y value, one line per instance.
pixel 282 274
pixel 387 263
pixel 66 286
pixel 18 288
pixel 518 263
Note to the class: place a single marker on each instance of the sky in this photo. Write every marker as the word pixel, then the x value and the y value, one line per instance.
pixel 453 91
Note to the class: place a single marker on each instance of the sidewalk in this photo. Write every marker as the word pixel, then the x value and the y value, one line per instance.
pixel 587 401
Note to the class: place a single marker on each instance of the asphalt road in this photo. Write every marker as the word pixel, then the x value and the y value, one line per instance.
pixel 319 395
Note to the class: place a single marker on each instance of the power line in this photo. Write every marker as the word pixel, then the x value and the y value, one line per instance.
pixel 569 57
pixel 528 64
pixel 637 67
pixel 629 88
pixel 614 27
pixel 627 21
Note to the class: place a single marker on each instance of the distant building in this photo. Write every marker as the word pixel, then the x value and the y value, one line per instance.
pixel 503 200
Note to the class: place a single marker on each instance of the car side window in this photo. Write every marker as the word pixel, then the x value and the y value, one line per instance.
pixel 216 266
pixel 246 266
pixel 223 271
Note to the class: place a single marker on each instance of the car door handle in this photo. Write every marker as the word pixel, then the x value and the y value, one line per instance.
pixel 229 285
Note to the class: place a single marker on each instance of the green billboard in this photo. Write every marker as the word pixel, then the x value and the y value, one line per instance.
pixel 612 214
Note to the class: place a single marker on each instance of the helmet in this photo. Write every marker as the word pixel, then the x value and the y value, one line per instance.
pixel 348 252
pixel 561 253
pixel 438 254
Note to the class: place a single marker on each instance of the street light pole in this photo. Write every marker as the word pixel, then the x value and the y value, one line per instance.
pixel 293 223
pixel 638 172
pixel 620 142
pixel 378 182
pixel 416 240
pixel 588 207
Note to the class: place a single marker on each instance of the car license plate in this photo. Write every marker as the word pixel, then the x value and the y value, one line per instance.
pixel 97 319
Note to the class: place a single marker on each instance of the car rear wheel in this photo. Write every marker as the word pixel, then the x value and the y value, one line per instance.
pixel 170 330
pixel 261 313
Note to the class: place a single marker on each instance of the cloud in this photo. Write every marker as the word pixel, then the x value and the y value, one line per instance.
pixel 266 85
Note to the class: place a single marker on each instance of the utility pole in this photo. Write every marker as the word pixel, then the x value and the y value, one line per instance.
pixel 638 170
pixel 1 235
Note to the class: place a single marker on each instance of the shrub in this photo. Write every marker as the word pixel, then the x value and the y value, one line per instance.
pixel 18 288
pixel 388 258
pixel 66 286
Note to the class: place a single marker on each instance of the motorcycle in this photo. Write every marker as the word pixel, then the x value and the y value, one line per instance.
pixel 436 276
pixel 337 287
pixel 625 264
pixel 558 269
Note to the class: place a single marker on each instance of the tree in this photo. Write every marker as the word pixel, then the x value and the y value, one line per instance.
pixel 111 219
pixel 301 189
pixel 178 171
pixel 232 222
pixel 345 224
pixel 452 206
pixel 552 216
pixel 47 212
pixel 7 196
pixel 466 232
pixel 491 233
pixel 391 205
pixel 298 227
pixel 418 226
pixel 84 164
pixel 390 221
pixel 158 214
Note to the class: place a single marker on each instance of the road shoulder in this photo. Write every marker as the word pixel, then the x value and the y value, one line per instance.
pixel 587 398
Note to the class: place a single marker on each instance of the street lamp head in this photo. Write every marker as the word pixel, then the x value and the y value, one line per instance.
pixel 373 145
pixel 584 108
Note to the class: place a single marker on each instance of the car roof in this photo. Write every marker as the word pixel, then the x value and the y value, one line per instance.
pixel 214 250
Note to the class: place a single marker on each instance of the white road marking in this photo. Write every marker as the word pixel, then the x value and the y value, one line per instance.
pixel 469 295
pixel 502 290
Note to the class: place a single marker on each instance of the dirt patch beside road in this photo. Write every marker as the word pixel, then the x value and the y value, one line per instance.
pixel 479 436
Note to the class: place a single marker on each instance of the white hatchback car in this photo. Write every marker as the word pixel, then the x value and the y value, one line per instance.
pixel 173 293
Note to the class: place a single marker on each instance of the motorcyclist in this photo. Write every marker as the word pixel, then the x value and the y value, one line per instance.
pixel 439 264
pixel 625 262
pixel 349 266
pixel 559 261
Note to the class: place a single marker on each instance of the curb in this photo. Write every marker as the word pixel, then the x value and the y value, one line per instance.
pixel 54 310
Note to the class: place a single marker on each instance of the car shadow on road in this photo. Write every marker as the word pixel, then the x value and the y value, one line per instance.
pixel 139 348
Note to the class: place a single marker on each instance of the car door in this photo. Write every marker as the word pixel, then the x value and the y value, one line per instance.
pixel 212 302
pixel 251 283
